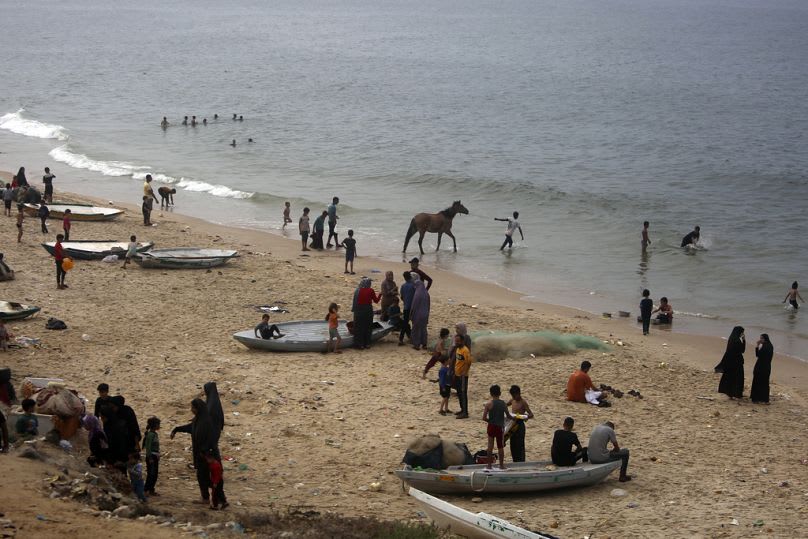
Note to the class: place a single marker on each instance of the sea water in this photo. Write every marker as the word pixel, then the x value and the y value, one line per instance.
pixel 587 117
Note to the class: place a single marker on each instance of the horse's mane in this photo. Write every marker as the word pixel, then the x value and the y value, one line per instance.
pixel 448 212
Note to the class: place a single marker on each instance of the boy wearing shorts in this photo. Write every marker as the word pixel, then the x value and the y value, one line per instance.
pixel 350 251
pixel 445 385
pixel 494 414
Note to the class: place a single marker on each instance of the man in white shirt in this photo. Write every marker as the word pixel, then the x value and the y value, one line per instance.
pixel 513 226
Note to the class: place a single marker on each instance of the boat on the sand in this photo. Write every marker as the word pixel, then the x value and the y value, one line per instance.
pixel 11 310
pixel 78 212
pixel 185 258
pixel 306 336
pixel 447 516
pixel 95 249
pixel 519 477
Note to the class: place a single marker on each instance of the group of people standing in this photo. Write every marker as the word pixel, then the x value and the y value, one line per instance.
pixel 115 440
pixel 731 367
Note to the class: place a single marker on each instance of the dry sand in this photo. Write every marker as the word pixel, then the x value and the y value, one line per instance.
pixel 315 430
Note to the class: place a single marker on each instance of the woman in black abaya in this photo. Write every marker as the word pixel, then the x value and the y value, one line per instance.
pixel 203 435
pixel 731 365
pixel 763 369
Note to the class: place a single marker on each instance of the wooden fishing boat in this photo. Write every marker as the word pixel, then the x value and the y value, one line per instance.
pixel 519 477
pixel 306 336
pixel 95 249
pixel 447 516
pixel 10 310
pixel 185 258
pixel 78 212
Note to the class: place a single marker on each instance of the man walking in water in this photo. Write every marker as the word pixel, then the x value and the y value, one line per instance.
pixel 692 238
pixel 513 226
pixel 646 241
pixel 332 222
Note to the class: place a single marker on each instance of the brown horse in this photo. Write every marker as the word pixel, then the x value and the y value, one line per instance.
pixel 440 222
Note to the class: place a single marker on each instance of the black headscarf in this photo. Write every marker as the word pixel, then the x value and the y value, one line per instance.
pixel 214 405
pixel 736 346
pixel 766 350
pixel 128 416
pixel 21 180
pixel 203 433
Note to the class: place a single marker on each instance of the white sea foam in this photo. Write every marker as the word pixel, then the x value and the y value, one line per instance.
pixel 215 190
pixel 107 168
pixel 14 122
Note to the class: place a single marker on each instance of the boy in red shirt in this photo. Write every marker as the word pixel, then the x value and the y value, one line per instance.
pixel 216 487
pixel 58 255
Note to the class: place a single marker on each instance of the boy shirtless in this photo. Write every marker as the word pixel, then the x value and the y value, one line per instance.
pixel 494 414
pixel 166 196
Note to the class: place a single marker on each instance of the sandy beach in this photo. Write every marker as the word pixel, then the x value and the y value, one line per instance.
pixel 315 430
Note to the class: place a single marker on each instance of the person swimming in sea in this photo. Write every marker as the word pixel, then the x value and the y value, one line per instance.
pixel 250 140
pixel 792 296
pixel 193 121
pixel 204 121
pixel 164 123
pixel 185 121
pixel 241 118
pixel 215 116
pixel 235 117
pixel 233 144
pixel 692 238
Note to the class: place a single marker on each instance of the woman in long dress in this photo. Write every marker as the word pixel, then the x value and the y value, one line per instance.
pixel 364 298
pixel 389 290
pixel 731 365
pixel 763 370
pixel 419 312
pixel 203 433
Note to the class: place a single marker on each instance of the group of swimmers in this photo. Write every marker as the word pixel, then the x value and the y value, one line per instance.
pixel 193 123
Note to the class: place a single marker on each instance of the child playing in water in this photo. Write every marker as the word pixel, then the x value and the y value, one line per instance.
pixel 131 252
pixel 265 331
pixel 792 295
pixel 665 311
pixel 287 210
pixel 333 331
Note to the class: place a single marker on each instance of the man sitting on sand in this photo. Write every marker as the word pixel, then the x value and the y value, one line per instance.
pixel 599 452
pixel 579 382
pixel 563 442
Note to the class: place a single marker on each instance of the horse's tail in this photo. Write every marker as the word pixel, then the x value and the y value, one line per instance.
pixel 410 232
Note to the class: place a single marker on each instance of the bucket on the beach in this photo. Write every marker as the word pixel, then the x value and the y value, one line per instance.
pixel 67 263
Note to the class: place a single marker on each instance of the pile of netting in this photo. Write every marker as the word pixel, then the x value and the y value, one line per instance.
pixel 496 345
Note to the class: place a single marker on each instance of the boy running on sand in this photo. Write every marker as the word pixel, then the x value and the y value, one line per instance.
pixel 333 331
pixel 494 414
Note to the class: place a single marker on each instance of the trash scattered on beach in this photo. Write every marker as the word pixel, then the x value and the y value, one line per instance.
pixel 734 522
pixel 618 492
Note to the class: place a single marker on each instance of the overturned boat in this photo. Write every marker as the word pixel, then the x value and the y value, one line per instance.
pixel 95 249
pixel 78 212
pixel 185 258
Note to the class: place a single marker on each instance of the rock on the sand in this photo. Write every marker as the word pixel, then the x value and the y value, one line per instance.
pixel 618 492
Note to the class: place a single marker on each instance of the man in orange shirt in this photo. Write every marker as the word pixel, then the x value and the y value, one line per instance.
pixel 579 382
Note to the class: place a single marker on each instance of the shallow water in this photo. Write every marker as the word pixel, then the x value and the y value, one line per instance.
pixel 586 117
